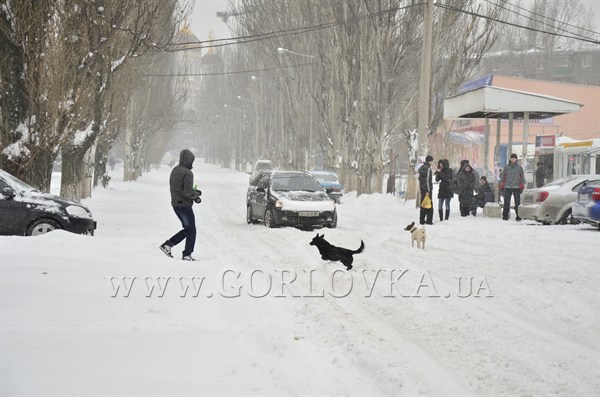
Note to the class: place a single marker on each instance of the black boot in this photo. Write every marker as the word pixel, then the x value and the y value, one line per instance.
pixel 518 218
pixel 447 214
pixel 441 212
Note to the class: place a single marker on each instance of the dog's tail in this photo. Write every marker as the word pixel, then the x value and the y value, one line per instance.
pixel 362 247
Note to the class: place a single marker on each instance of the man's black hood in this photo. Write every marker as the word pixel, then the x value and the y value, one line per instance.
pixel 186 158
pixel 464 164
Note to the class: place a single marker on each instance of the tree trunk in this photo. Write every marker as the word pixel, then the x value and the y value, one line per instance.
pixel 39 173
pixel 73 171
pixel 411 183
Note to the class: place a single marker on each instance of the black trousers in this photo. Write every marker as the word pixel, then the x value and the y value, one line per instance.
pixel 508 193
pixel 426 214
pixel 465 202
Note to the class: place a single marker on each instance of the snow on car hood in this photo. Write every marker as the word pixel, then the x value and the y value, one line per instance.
pixel 52 203
pixel 305 201
pixel 35 197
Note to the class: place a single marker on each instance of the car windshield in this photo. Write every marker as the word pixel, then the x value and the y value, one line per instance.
pixel 594 182
pixel 16 183
pixel 326 178
pixel 295 183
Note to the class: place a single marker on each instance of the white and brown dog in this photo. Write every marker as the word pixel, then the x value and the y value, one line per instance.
pixel 417 235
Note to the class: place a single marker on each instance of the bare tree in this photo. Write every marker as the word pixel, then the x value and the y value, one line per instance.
pixel 35 102
pixel 116 33
pixel 362 81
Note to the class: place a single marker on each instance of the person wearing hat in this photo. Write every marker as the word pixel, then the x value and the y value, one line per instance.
pixel 512 181
pixel 426 186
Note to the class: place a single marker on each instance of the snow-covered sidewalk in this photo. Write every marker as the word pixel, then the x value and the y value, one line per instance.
pixel 76 317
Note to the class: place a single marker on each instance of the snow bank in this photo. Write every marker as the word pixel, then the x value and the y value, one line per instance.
pixel 532 328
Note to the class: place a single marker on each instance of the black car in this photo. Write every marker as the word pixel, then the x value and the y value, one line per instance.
pixel 24 211
pixel 289 198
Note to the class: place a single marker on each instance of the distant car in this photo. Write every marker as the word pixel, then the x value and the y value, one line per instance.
pixel 260 165
pixel 553 203
pixel 24 211
pixel 330 182
pixel 587 207
pixel 289 198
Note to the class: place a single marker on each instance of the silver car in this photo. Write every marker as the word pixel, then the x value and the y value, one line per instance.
pixel 553 203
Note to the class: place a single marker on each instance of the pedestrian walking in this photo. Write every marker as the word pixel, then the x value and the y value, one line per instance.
pixel 183 196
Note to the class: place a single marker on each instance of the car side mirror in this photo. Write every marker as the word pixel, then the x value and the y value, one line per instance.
pixel 260 189
pixel 9 193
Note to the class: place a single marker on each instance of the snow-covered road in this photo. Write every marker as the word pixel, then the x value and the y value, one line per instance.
pixel 76 319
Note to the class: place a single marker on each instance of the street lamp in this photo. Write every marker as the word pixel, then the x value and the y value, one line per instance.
pixel 282 51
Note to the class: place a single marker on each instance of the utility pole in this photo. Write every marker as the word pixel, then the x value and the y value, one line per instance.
pixel 425 80
pixel 424 88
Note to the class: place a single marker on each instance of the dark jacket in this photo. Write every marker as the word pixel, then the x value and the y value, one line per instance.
pixel 540 175
pixel 425 180
pixel 485 195
pixel 444 177
pixel 465 180
pixel 181 181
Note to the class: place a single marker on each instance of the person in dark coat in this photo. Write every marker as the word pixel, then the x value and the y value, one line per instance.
pixel 485 195
pixel 183 195
pixel 540 175
pixel 443 175
pixel 426 187
pixel 465 178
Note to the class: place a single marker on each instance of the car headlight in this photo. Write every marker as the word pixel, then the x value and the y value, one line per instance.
pixel 279 204
pixel 78 212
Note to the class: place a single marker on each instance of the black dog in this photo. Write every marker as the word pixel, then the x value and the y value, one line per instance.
pixel 332 253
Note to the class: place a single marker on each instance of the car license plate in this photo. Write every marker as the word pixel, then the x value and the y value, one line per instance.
pixel 308 213
pixel 584 199
pixel 528 199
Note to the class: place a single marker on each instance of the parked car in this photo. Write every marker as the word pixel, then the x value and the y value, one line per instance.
pixel 553 202
pixel 24 211
pixel 289 198
pixel 260 165
pixel 587 207
pixel 330 182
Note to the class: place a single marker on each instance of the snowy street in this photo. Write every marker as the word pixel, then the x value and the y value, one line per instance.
pixel 489 307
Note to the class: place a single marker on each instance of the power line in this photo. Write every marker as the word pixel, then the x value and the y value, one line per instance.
pixel 285 32
pixel 226 73
pixel 544 22
pixel 515 25
pixel 307 29
pixel 551 19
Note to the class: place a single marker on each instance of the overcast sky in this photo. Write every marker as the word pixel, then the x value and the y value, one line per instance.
pixel 204 17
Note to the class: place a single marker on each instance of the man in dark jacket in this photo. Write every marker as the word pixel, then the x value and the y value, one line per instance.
pixel 443 175
pixel 512 181
pixel 540 175
pixel 465 179
pixel 183 196
pixel 426 187
pixel 485 195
